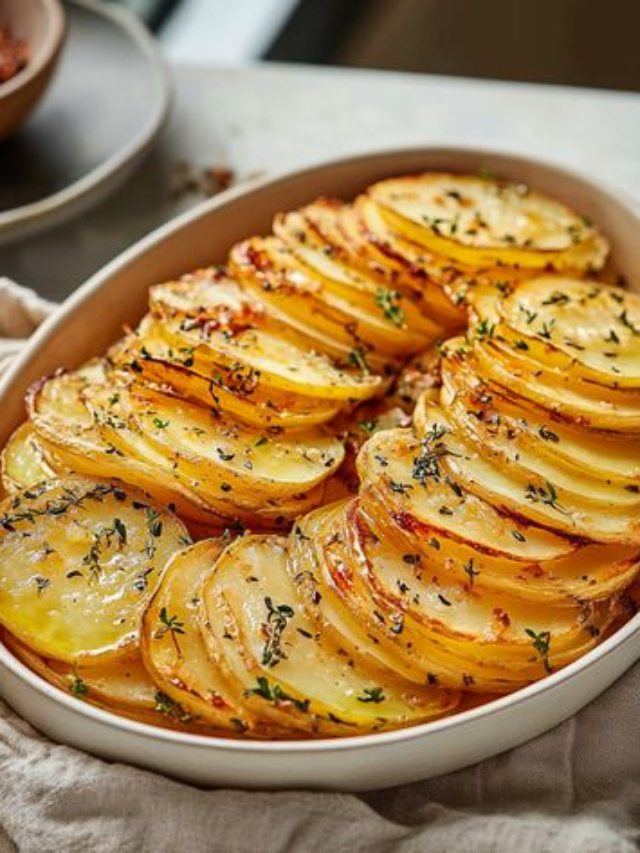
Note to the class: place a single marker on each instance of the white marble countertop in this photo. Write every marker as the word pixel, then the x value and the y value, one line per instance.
pixel 264 118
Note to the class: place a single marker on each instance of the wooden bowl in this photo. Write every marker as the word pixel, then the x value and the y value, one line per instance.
pixel 39 23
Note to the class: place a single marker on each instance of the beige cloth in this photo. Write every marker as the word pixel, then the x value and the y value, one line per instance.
pixel 574 790
pixel 21 311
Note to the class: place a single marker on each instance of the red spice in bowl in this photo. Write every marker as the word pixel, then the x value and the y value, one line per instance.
pixel 14 55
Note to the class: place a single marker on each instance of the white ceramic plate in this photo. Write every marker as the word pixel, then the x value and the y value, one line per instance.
pixel 85 137
pixel 92 318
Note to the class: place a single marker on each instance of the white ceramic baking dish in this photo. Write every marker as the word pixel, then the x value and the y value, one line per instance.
pixel 94 316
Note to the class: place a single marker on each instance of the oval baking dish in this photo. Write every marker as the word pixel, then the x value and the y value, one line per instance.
pixel 117 296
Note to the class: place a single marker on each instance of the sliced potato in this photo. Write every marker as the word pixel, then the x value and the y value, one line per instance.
pixel 94 435
pixel 421 646
pixel 565 400
pixel 120 683
pixel 395 465
pixel 80 559
pixel 62 393
pixel 548 504
pixel 591 573
pixel 352 311
pixel 280 363
pixel 244 338
pixel 480 641
pixel 506 446
pixel 324 332
pixel 173 650
pixel 594 326
pixel 322 595
pixel 481 221
pixel 339 227
pixel 220 452
pixel 287 670
pixel 490 419
pixel 443 284
pixel 23 461
pixel 75 439
pixel 149 359
pixel 223 502
pixel 291 297
pixel 392 306
pixel 122 686
pixel 207 296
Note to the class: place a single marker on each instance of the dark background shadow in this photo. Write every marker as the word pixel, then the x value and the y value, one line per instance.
pixel 574 42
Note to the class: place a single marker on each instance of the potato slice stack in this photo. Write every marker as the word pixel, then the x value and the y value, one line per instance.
pixel 232 398
pixel 103 595
pixel 81 559
pixel 490 542
pixel 477 223
pixel 493 543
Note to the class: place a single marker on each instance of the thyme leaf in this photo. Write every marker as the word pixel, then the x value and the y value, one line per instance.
pixel 277 620
pixel 388 302
pixel 541 642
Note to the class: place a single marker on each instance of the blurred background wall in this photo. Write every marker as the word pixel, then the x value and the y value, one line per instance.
pixel 576 42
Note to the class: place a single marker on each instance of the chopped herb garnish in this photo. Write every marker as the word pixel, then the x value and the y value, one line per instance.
pixel 358 359
pixel 400 488
pixel 483 330
pixel 101 538
pixel 427 464
pixel 170 625
pixel 545 495
pixel 546 329
pixel 368 426
pixel 541 643
pixel 52 508
pixel 170 708
pixel 624 319
pixel 372 694
pixel 388 302
pixel 277 616
pixel 470 570
pixel 276 694
pixel 299 533
pixel 78 687
pixel 41 583
pixel 557 298
pixel 548 435
pixel 154 523
pixel 530 316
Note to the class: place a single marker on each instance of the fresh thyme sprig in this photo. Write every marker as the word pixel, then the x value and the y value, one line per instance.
pixel 541 643
pixel 389 302
pixel 277 620
pixel 276 694
pixel 170 625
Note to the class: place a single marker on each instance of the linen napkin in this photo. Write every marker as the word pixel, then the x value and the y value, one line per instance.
pixel 21 312
pixel 573 790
